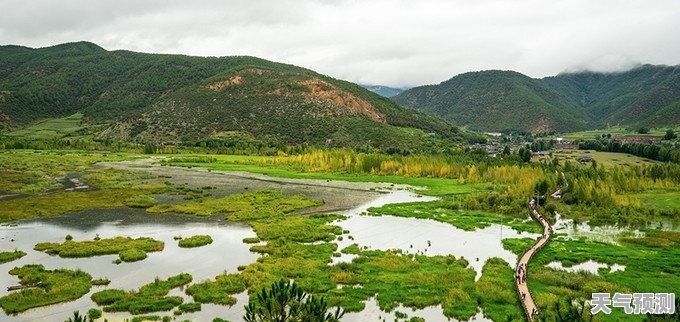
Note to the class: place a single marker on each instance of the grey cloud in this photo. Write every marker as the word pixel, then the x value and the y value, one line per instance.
pixel 397 43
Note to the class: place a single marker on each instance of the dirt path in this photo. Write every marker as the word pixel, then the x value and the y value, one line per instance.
pixel 337 195
pixel 530 308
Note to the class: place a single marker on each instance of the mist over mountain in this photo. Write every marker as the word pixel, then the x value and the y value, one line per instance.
pixel 381 90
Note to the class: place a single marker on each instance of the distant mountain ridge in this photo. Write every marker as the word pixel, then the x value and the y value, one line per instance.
pixel 505 100
pixel 157 98
pixel 381 90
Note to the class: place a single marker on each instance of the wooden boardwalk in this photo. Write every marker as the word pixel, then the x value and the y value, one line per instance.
pixel 530 308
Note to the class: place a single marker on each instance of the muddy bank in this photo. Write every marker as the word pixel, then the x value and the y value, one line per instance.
pixel 337 195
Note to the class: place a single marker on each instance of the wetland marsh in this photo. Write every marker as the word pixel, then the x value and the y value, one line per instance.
pixel 385 250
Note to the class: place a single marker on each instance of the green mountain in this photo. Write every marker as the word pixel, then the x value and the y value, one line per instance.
pixel 384 91
pixel 644 96
pixel 497 100
pixel 160 98
pixel 505 100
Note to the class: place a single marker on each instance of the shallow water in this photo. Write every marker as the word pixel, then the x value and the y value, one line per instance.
pixel 589 266
pixel 425 236
pixel 606 234
pixel 373 313
pixel 431 238
pixel 226 252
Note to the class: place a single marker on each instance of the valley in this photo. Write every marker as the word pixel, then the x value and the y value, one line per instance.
pixel 360 232
pixel 156 187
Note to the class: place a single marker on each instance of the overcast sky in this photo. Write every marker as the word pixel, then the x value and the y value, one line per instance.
pixel 395 43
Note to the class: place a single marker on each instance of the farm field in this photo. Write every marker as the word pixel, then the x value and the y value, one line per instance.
pixel 608 159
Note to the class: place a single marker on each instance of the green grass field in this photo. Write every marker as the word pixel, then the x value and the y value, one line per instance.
pixel 52 128
pixel 608 159
pixel 660 199
pixel 433 186
pixel 614 131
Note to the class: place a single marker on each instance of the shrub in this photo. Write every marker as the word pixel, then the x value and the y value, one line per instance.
pixel 94 314
pixel 251 240
pixel 141 201
pixel 195 241
pixel 132 255
pixel 10 256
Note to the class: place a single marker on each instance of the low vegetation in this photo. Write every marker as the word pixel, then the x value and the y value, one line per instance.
pixel 45 287
pixel 36 176
pixel 240 207
pixel 143 318
pixel 128 249
pixel 188 308
pixel 476 192
pixel 132 255
pixel 218 291
pixel 94 314
pixel 195 241
pixel 251 240
pixel 101 281
pixel 300 248
pixel 141 201
pixel 451 212
pixel 11 256
pixel 653 259
pixel 496 292
pixel 149 298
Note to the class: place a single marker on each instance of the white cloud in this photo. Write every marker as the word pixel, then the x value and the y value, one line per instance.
pixel 397 43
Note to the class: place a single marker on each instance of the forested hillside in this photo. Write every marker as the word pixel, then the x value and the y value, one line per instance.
pixel 645 96
pixel 504 100
pixel 161 98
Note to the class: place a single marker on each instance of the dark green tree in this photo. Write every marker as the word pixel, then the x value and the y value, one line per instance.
pixel 149 148
pixel 524 154
pixel 286 302
pixel 669 135
pixel 506 150
pixel 541 187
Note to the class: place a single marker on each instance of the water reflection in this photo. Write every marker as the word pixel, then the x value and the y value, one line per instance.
pixel 424 236
pixel 606 234
pixel 589 266
pixel 372 312
pixel 226 252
